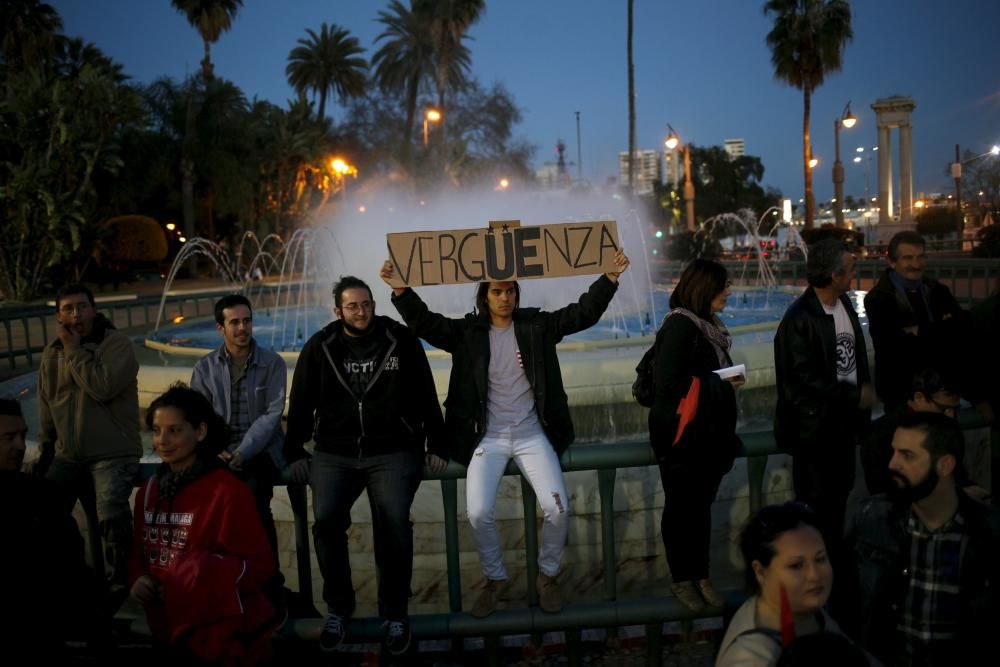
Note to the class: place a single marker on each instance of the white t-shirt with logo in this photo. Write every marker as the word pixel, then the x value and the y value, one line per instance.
pixel 847 358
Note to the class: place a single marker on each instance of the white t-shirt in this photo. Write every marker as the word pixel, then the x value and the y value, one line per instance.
pixel 847 359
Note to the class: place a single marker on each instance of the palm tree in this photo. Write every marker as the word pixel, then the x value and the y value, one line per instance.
pixel 449 21
pixel 328 62
pixel 210 18
pixel 406 58
pixel 807 42
pixel 631 107
pixel 28 29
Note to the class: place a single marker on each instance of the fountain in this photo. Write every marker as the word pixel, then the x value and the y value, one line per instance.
pixel 289 282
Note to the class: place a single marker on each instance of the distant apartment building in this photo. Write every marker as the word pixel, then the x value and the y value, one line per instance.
pixel 673 167
pixel 735 147
pixel 648 170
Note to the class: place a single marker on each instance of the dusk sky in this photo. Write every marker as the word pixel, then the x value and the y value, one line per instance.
pixel 703 66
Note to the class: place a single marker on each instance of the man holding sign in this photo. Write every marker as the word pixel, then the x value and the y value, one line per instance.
pixel 506 400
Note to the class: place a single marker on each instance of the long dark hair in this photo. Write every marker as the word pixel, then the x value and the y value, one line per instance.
pixel 483 288
pixel 701 282
pixel 196 410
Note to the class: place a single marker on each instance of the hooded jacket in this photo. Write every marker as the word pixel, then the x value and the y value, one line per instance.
pixel 468 340
pixel 398 411
pixel 88 402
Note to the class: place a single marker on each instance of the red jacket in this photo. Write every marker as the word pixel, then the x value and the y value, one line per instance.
pixel 208 550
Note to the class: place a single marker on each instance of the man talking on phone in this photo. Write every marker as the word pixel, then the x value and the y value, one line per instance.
pixel 88 413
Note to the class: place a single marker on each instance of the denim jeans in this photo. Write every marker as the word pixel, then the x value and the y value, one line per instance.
pixel 538 462
pixel 391 481
pixel 104 486
pixel 260 475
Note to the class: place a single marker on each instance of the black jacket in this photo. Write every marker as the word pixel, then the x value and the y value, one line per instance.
pixel 468 341
pixel 814 408
pixel 682 353
pixel 878 582
pixel 899 354
pixel 397 412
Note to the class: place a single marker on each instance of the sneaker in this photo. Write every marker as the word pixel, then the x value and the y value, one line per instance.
pixel 486 603
pixel 549 595
pixel 686 592
pixel 397 636
pixel 334 630
pixel 708 592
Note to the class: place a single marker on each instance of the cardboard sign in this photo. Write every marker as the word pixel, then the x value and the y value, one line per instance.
pixel 503 251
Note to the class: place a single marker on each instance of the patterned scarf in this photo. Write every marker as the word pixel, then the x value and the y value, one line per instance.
pixel 715 332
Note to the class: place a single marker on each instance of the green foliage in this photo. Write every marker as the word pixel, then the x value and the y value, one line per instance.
pixel 937 220
pixel 987 242
pixel 724 185
pixel 685 246
pixel 328 62
pixel 134 238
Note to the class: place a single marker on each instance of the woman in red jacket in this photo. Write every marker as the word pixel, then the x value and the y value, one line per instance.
pixel 200 556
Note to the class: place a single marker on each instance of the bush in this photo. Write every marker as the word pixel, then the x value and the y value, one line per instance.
pixel 685 246
pixel 853 238
pixel 134 238
pixel 987 242
pixel 937 220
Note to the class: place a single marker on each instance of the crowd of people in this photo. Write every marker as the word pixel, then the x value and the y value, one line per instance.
pixel 198 547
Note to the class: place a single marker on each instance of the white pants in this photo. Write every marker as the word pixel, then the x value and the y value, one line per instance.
pixel 538 462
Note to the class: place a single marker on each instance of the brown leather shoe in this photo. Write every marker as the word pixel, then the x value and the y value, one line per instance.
pixel 549 595
pixel 708 592
pixel 687 593
pixel 486 603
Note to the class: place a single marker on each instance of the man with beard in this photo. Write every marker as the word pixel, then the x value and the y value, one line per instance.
pixel 364 394
pixel 926 555
pixel 246 385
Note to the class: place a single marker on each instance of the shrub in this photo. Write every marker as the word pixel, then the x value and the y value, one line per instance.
pixel 134 238
pixel 937 220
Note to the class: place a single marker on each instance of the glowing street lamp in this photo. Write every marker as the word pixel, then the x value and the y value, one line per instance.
pixel 813 162
pixel 672 142
pixel 432 116
pixel 343 169
pixel 503 185
pixel 848 120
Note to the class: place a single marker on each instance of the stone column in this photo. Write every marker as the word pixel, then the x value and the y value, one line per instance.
pixel 884 174
pixel 905 173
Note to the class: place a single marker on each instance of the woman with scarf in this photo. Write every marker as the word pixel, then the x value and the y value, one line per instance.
pixel 788 576
pixel 692 424
pixel 200 556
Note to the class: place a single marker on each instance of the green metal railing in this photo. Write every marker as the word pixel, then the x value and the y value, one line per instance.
pixel 605 459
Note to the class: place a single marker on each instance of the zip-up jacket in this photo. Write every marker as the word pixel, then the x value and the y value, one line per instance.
pixel 88 401
pixel 468 341
pixel 266 378
pixel 397 412
pixel 814 408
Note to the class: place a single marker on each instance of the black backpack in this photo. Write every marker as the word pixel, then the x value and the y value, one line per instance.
pixel 642 388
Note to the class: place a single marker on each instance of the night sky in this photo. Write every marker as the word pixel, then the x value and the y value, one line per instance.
pixel 702 66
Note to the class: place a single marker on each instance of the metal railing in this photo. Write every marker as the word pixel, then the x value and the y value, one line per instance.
pixel 610 612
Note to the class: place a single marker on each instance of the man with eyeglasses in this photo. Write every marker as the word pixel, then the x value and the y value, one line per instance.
pixel 88 410
pixel 363 392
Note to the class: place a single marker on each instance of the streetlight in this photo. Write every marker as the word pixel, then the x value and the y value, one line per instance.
pixel 433 116
pixel 672 142
pixel 847 119
pixel 956 173
pixel 342 170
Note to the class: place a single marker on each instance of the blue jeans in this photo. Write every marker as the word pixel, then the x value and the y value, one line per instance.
pixel 392 481
pixel 104 486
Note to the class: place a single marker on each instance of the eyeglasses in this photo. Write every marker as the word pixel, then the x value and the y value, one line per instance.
pixel 71 308
pixel 358 307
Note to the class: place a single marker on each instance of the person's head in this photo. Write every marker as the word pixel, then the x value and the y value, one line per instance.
pixel 498 299
pixel 185 427
pixel 907 254
pixel 354 305
pixel 75 308
pixel 822 649
pixel 830 265
pixel 934 391
pixel 13 431
pixel 783 549
pixel 703 288
pixel 927 452
pixel 234 320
